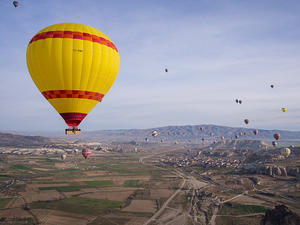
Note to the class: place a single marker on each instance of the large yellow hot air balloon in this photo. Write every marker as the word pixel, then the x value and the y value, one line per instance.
pixel 73 65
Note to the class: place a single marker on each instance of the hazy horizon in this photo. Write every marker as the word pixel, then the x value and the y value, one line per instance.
pixel 62 134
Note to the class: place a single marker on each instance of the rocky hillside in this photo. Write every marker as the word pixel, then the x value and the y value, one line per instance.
pixel 280 215
pixel 272 170
pixel 240 144
pixel 13 140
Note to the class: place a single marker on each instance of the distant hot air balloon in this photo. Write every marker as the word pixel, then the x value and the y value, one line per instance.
pixel 237 101
pixel 75 151
pixel 73 65
pixel 154 133
pixel 245 133
pixel 63 156
pixel 161 140
pixel 276 136
pixel 255 132
pixel 272 86
pixel 176 142
pixel 246 121
pixel 201 128
pixel 86 153
pixel 285 152
pixel 222 138
pixel 236 137
pixel 241 133
pixel 240 101
pixel 215 142
pixel 15 3
pixel 168 132
pixel 283 109
pixel 211 134
pixel 274 143
pixel 202 139
pixel 166 70
pixel 146 139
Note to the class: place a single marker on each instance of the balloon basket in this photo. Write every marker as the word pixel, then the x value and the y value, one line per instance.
pixel 72 131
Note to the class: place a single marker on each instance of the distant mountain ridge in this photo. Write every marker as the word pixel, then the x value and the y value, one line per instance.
pixel 188 133
pixel 168 134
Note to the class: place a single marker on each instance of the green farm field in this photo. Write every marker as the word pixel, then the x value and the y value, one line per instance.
pixel 93 188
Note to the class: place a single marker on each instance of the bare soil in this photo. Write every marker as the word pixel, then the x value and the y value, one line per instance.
pixel 137 221
pixel 113 195
pixel 46 195
pixel 160 193
pixel 145 206
pixel 50 217
pixel 250 201
pixel 14 213
pixel 97 173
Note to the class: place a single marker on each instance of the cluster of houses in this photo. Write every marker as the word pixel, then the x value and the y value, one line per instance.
pixel 203 160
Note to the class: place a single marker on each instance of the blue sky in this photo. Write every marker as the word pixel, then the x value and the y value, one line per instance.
pixel 216 51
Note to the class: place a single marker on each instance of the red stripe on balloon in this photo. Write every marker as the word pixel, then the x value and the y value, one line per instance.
pixel 73 94
pixel 73 119
pixel 73 35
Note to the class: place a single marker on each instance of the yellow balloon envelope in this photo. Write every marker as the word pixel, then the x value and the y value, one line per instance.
pixel 73 66
pixel 283 109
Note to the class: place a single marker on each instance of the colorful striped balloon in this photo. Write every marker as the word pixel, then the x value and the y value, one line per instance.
pixel 73 66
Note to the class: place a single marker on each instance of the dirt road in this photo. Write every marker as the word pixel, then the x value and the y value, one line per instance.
pixel 166 203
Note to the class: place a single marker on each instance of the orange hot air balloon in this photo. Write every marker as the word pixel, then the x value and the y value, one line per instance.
pixel 276 136
pixel 86 153
pixel 255 132
pixel 246 121
pixel 73 65
pixel 222 138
